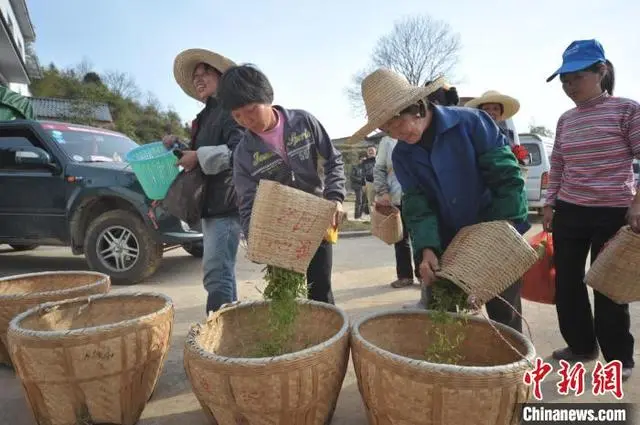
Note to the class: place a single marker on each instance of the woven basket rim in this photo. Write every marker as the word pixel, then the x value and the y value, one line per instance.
pixel 425 366
pixel 15 328
pixel 192 345
pixel 34 295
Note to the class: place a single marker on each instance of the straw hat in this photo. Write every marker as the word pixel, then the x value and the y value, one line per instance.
pixel 186 62
pixel 385 94
pixel 510 105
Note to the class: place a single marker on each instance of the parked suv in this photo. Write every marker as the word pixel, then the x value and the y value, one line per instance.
pixel 68 185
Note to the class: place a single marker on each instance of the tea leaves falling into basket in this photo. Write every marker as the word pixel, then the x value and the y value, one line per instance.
pixel 447 332
pixel 283 288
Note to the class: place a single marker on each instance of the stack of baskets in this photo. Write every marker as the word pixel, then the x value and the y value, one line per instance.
pixel 83 355
pixel 21 292
pixel 155 168
pixel 287 226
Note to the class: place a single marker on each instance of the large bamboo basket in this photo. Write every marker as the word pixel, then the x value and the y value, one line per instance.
pixel 287 226
pixel 300 388
pixel 615 271
pixel 92 360
pixel 386 224
pixel 398 387
pixel 21 292
pixel 485 259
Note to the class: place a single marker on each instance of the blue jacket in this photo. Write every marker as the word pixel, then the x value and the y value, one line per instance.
pixel 306 141
pixel 469 176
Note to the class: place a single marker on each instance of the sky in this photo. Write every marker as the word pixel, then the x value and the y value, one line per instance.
pixel 310 50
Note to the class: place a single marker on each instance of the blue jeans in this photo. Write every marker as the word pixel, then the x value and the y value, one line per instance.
pixel 221 240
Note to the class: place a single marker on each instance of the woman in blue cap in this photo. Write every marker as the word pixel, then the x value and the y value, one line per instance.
pixel 455 168
pixel 591 195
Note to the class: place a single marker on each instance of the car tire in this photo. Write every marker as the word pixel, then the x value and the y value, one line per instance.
pixel 196 249
pixel 120 244
pixel 29 247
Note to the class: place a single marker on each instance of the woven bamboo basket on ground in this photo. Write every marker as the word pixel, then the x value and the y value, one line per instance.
pixel 21 292
pixel 386 224
pixel 615 271
pixel 92 360
pixel 287 226
pixel 485 259
pixel 398 387
pixel 300 388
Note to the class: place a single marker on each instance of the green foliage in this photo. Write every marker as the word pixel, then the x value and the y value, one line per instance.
pixel 283 287
pixel 142 122
pixel 447 332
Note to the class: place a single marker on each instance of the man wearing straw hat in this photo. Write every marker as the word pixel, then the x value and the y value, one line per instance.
pixel 214 137
pixel 455 168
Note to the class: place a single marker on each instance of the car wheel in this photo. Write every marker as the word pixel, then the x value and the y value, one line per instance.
pixel 194 248
pixel 29 247
pixel 119 244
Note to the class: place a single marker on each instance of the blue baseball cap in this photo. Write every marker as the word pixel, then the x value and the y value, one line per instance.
pixel 580 55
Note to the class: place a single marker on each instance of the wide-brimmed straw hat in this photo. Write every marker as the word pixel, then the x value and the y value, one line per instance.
pixel 510 106
pixel 186 62
pixel 386 93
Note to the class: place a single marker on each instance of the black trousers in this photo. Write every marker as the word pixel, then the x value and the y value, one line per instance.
pixel 576 230
pixel 359 203
pixel 319 274
pixel 500 312
pixel 404 259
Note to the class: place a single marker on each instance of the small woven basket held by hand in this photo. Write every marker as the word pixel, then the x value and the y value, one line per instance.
pixel 485 259
pixel 615 272
pixel 287 226
pixel 386 224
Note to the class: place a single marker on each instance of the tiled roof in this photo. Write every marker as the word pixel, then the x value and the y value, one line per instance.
pixel 52 108
pixel 371 140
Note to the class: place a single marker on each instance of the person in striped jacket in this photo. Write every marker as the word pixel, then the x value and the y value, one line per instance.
pixel 591 195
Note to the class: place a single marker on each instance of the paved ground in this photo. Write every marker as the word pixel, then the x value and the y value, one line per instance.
pixel 362 269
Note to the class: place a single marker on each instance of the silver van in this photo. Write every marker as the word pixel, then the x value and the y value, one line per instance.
pixel 539 148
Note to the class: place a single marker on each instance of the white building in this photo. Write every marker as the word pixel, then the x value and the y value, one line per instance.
pixel 17 67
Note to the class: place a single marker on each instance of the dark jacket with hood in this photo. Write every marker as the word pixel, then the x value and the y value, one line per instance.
pixel 305 142
pixel 214 136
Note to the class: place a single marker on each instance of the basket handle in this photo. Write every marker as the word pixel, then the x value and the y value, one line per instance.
pixel 505 339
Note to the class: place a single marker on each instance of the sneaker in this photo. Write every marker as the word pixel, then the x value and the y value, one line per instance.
pixel 570 356
pixel 402 283
pixel 626 373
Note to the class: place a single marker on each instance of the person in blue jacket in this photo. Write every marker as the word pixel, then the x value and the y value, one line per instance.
pixel 282 145
pixel 455 168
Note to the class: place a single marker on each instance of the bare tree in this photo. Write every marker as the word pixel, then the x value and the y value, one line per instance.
pixel 121 84
pixel 83 68
pixel 418 47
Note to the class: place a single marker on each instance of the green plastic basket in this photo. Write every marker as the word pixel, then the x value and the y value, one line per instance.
pixel 155 167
